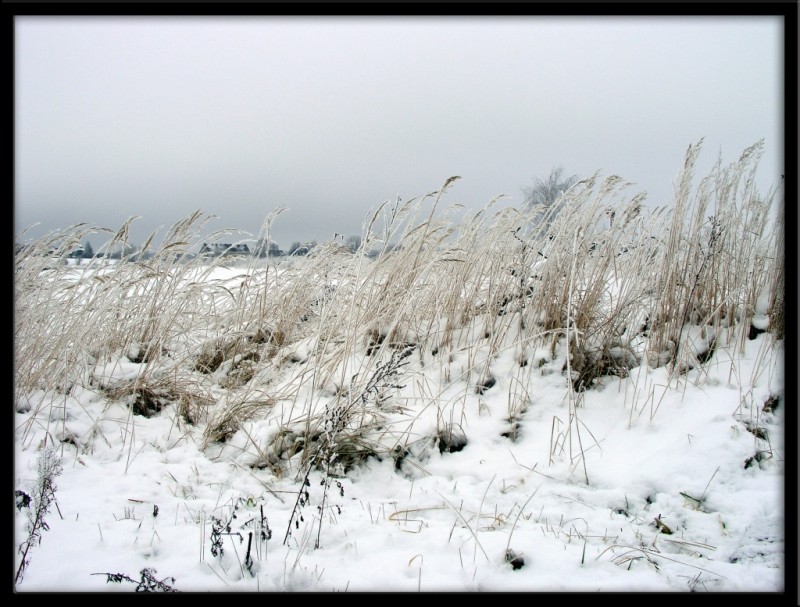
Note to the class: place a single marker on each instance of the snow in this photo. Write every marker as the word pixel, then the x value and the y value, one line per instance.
pixel 581 491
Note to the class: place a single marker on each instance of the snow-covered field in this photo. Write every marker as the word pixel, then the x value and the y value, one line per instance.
pixel 468 412
pixel 674 500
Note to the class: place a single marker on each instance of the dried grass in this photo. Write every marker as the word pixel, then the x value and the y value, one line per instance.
pixel 618 283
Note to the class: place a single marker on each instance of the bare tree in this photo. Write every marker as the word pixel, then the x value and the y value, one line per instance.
pixel 545 194
pixel 353 243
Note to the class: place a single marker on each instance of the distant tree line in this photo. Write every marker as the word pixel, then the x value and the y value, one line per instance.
pixel 261 249
pixel 543 196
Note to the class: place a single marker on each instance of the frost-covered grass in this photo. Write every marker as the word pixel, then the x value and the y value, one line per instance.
pixel 594 402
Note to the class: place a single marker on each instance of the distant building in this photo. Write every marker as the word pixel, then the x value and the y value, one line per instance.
pixel 215 249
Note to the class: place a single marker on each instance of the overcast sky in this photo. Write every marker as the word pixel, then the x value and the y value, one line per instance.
pixel 331 116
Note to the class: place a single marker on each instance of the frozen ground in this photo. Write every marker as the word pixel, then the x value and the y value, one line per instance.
pixel 640 484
